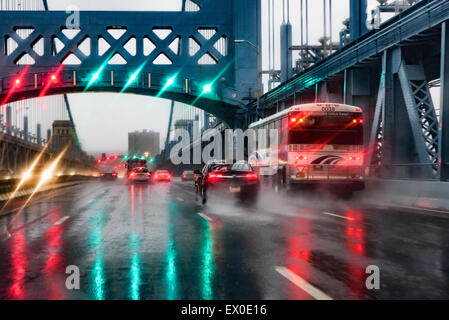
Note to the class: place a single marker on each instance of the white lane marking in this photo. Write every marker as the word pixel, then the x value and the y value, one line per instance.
pixel 180 199
pixel 420 208
pixel 314 292
pixel 60 221
pixel 205 217
pixel 336 215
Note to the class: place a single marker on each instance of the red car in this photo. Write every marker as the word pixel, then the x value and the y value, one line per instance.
pixel 162 175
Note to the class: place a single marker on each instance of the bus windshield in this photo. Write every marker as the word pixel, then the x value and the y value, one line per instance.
pixel 338 129
pixel 343 137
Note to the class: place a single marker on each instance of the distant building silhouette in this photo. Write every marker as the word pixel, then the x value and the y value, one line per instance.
pixel 141 142
pixel 64 135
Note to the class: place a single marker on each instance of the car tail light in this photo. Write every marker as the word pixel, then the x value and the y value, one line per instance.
pixel 132 174
pixel 148 174
pixel 102 174
pixel 215 176
pixel 114 174
pixel 184 175
pixel 251 176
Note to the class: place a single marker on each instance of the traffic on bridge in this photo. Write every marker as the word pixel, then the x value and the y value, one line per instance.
pixel 250 150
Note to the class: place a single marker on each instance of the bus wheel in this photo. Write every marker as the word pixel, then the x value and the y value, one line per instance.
pixel 277 182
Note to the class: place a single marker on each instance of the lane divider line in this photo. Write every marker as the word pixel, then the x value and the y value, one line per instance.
pixel 314 292
pixel 338 216
pixel 61 221
pixel 419 208
pixel 11 232
pixel 180 199
pixel 205 217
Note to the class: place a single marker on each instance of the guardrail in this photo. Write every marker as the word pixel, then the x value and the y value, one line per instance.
pixel 7 186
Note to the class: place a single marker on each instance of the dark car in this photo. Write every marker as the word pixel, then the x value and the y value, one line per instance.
pixel 188 175
pixel 108 175
pixel 237 179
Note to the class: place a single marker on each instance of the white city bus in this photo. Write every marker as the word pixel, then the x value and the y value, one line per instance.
pixel 318 143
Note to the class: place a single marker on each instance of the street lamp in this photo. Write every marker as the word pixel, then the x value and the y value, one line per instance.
pixel 256 48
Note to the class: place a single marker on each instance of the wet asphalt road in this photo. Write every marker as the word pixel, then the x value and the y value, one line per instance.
pixel 158 242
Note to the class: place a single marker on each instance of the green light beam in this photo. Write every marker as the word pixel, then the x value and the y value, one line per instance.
pixel 132 78
pixel 168 84
pixel 97 74
pixel 208 87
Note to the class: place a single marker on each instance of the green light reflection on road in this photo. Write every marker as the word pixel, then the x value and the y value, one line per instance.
pixel 172 290
pixel 98 269
pixel 207 264
pixel 171 276
pixel 135 271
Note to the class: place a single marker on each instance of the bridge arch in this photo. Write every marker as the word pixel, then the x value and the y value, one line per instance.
pixel 200 58
pixel 209 101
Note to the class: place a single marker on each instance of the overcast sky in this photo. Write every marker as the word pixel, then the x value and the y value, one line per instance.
pixel 103 120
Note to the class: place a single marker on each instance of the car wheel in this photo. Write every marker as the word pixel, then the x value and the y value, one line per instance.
pixel 203 197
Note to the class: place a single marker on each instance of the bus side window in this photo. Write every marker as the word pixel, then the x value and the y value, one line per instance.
pixel 272 127
pixel 284 130
pixel 267 135
pixel 265 127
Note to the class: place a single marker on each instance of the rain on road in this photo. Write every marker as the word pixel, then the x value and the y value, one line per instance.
pixel 156 242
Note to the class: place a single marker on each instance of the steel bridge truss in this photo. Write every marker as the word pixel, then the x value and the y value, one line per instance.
pixel 416 103
pixel 388 72
pixel 168 54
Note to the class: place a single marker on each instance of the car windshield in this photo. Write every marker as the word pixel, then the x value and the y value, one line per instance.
pixel 220 168
pixel 141 170
pixel 241 167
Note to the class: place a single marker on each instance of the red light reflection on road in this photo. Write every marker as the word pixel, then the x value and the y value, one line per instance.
pixel 132 195
pixel 298 254
pixel 54 269
pixel 356 244
pixel 19 266
pixel 140 195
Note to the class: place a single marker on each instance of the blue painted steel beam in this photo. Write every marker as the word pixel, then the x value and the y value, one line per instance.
pixel 418 19
pixel 357 20
pixel 444 104
pixel 233 75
